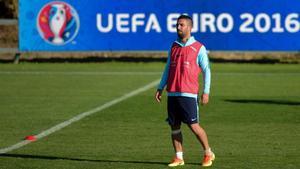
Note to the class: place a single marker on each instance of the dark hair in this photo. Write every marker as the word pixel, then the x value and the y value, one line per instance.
pixel 186 17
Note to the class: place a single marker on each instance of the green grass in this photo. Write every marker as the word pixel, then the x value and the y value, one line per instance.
pixel 252 119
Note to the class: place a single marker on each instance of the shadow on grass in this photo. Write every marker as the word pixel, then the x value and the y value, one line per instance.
pixel 128 58
pixel 89 60
pixel 42 157
pixel 276 102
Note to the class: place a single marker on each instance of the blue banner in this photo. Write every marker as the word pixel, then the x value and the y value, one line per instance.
pixel 150 25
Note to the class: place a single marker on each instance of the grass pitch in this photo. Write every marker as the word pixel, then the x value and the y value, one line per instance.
pixel 252 119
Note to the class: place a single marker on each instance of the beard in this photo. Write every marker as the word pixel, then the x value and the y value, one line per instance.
pixel 180 34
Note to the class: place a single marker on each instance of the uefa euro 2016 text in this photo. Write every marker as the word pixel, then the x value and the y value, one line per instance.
pixel 203 22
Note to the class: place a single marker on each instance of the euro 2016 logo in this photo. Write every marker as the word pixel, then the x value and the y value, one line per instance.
pixel 58 23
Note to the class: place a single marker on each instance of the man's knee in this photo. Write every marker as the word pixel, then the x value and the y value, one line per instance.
pixel 195 127
pixel 176 129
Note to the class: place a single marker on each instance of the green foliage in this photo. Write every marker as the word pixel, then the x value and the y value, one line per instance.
pixel 8 8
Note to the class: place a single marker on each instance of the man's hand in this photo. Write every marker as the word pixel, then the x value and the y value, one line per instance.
pixel 158 95
pixel 204 98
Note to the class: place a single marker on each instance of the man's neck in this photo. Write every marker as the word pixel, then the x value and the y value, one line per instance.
pixel 185 39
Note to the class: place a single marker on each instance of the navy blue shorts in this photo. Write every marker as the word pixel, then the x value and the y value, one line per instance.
pixel 182 109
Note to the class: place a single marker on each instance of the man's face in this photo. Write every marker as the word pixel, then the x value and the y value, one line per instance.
pixel 183 28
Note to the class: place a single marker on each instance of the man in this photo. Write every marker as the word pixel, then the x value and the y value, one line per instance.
pixel 187 58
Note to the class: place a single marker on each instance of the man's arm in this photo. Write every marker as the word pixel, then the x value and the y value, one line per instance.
pixel 163 81
pixel 164 78
pixel 203 62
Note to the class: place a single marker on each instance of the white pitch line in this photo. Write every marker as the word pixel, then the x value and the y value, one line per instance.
pixel 141 73
pixel 257 73
pixel 79 117
pixel 76 73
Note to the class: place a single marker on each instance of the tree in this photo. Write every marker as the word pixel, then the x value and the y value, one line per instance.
pixel 9 8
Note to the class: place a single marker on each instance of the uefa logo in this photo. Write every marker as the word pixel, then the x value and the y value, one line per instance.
pixel 58 23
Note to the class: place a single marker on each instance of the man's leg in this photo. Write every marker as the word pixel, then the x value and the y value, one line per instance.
pixel 200 133
pixel 177 138
pixel 177 144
